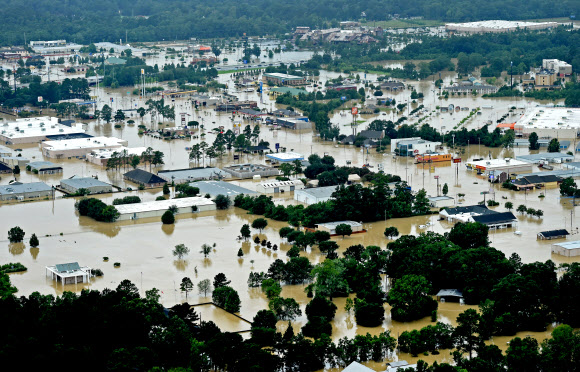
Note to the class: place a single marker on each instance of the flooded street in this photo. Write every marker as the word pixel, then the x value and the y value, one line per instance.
pixel 144 247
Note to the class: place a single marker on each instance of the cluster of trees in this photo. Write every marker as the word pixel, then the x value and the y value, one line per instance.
pixel 97 209
pixel 127 200
pixel 569 188
pixel 51 92
pixel 122 159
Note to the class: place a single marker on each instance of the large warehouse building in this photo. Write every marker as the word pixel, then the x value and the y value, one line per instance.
pixel 483 27
pixel 79 147
pixel 550 122
pixel 32 130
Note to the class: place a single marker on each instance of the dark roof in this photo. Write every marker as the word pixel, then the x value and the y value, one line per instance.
pixel 4 167
pixel 258 148
pixel 144 177
pixel 482 209
pixel 552 233
pixel 372 134
pixel 538 179
pixel 59 137
pixel 493 218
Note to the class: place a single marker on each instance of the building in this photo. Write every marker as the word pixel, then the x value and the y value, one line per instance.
pixel 235 105
pixel 13 161
pixel 94 186
pixel 20 191
pixel 294 123
pixel 433 158
pixel 441 201
pixel 546 80
pixel 44 167
pixel 142 177
pixel 314 195
pixel 54 47
pixel 560 68
pixel 5 151
pixel 295 92
pixel 4 169
pixel 550 122
pixel 401 365
pixel 553 234
pixel 158 207
pixel 31 130
pixel 493 167
pixel 449 295
pixel 392 86
pixel 215 188
pixel 244 171
pixel 357 367
pixel 80 147
pixel 413 146
pixel 530 182
pixel 546 157
pixel 330 227
pixel 102 155
pixel 496 220
pixel 375 135
pixel 463 214
pixel 568 249
pixel 496 26
pixel 301 30
pixel 192 174
pixel 276 78
pixel 279 186
pixel 285 157
pixel 470 88
pixel 69 273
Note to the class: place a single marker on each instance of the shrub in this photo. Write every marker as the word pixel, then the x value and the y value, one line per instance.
pixel 97 272
pixel 12 268
pixel 222 202
pixel 168 218
pixel 97 210
pixel 117 264
pixel 160 198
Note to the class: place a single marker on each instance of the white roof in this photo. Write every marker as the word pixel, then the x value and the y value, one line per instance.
pixel 336 223
pixel 83 143
pixel 281 183
pixel 551 118
pixel 500 24
pixel 569 245
pixel 495 163
pixel 356 367
pixel 162 205
pixel 34 127
pixel 286 156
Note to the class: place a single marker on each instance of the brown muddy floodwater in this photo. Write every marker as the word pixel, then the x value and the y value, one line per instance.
pixel 143 247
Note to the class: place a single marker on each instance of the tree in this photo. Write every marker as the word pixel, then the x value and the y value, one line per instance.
pixel 220 280
pixel 285 231
pixel 568 187
pixel 16 234
pixel 343 229
pixel 260 224
pixel 391 232
pixel 206 250
pixel 166 189
pixel 329 279
pixel 222 201
pixel 523 355
pixel 34 241
pixel 286 169
pixel 469 235
pixel 445 189
pixel 264 327
pixel 507 140
pixel 285 308
pixel 522 209
pixel 554 145
pixel 106 113
pixel 168 218
pixel 240 252
pixel 119 115
pixel 467 327
pixel 409 298
pixel 180 251
pixel 421 203
pixel 321 236
pixel 245 231
pixel 534 145
pixel 186 286
pixel 135 160
pixel 509 206
pixel 204 286
pixel 16 169
pixel 227 298
pixel 328 246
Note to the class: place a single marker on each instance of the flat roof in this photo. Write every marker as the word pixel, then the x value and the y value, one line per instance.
pixel 4 149
pixel 42 165
pixel 336 223
pixel 220 188
pixel 281 183
pixel 437 198
pixel 532 158
pixel 285 156
pixel 493 163
pixel 163 205
pixel 559 173
pixel 83 143
pixel 319 192
pixel 20 188
pixel 569 245
pixel 34 127
pixel 250 168
pixel 278 75
pixel 192 173
pixel 501 24
pixel 83 182
pixel 551 118
pixel 108 153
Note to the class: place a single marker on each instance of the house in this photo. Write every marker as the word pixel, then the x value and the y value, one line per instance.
pixel 158 207
pixel 568 249
pixel 279 186
pixel 496 220
pixel 553 234
pixel 401 365
pixel 315 194
pixel 441 201
pixel 449 295
pixel 251 170
pixel 392 86
pixel 357 367
pixel 20 191
pixel 13 161
pixel 330 227
pixel 294 123
pixel 463 214
pixel 93 185
pixel 142 177
pixel 193 174
pixel 375 135
pixel 537 181
pixel 44 167
pixel 4 169
pixel 69 273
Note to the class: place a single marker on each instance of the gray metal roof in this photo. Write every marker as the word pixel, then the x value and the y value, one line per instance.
pixel 215 188
pixel 319 192
pixel 192 174
pixel 73 266
pixel 357 367
pixel 532 158
pixel 20 188
pixel 336 223
pixel 569 245
pixel 450 293
pixel 43 165
pixel 83 182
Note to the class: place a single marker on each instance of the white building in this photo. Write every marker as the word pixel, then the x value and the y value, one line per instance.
pixel 31 130
pixel 101 156
pixel 315 194
pixel 285 157
pixel 568 249
pixel 158 207
pixel 279 186
pixel 493 167
pixel 413 146
pixel 69 273
pixel 496 26
pixel 550 122
pixel 559 67
pixel 79 147
pixel 331 226
pixel 441 201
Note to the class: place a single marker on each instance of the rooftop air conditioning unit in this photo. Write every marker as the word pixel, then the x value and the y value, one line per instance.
pixel 29 124
pixel 61 130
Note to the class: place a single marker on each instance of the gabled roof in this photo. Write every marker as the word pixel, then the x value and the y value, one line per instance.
pixel 4 167
pixel 449 293
pixel 144 177
pixel 73 266
pixel 552 233
pixel 372 133
pixel 494 218
pixel 356 367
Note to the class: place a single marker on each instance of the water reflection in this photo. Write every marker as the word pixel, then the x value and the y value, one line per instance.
pixel 16 248
pixel 181 265
pixel 168 229
pixel 34 252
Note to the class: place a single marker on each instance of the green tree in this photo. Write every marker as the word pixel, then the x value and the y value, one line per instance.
pixel 391 232
pixel 186 286
pixel 466 331
pixel 220 280
pixel 329 278
pixel 421 203
pixel 227 298
pixel 554 145
pixel 204 286
pixel 16 234
pixel 285 308
pixel 106 113
pixel 286 169
pixel 534 145
pixel 568 187
pixel 168 218
pixel 343 229
pixel 180 251
pixel 205 250
pixel 222 202
pixel 245 231
pixel 260 224
pixel 16 169
pixel 34 241
pixel 523 355
pixel 445 189
pixel 166 189
pixel 119 115
pixel 135 160
pixel 469 235
pixel 508 138
pixel 409 298
pixel 522 209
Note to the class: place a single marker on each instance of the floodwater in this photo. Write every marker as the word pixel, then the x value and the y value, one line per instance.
pixel 143 247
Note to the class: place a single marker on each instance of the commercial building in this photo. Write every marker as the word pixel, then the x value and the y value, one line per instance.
pixel 5 151
pixel 19 191
pixel 560 68
pixel 13 161
pixel 215 188
pixel 413 146
pixel 546 157
pixel 567 249
pixel 496 26
pixel 331 226
pixel 158 207
pixel 279 186
pixel 356 367
pixel 284 79
pixel 54 47
pixel 294 123
pixel 496 220
pixel 93 185
pixel 441 201
pixel 4 169
pixel 550 122
pixel 537 181
pixel 142 177
pixel 44 167
pixel 251 170
pixel 493 167
pixel 80 147
pixel 546 80
pixel 392 86
pixel 102 156
pixel 285 157
pixel 463 214
pixel 193 174
pixel 315 194
pixel 295 92
pixel 69 273
pixel 31 130
pixel 553 234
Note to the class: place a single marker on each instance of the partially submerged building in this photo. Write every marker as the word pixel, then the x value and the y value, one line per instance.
pixel 32 130
pixel 314 194
pixel 158 207
pixel 20 191
pixel 274 187
pixel 553 234
pixel 215 188
pixel 193 174
pixel 44 167
pixel 79 147
pixel 92 185
pixel 142 177
pixel 69 273
pixel 567 249
pixel 330 227
pixel 251 170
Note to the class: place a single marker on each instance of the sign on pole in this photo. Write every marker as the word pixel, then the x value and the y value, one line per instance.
pixel 354 110
pixel 40 98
